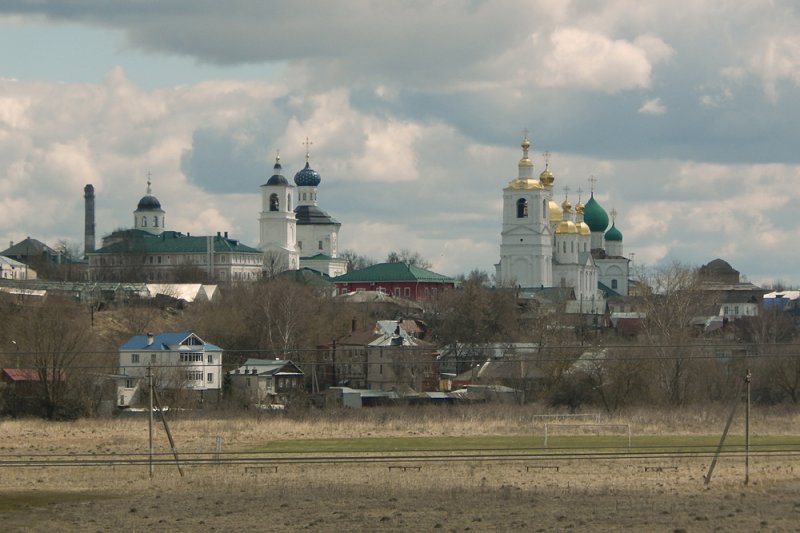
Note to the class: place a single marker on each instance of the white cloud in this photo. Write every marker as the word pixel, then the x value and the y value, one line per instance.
pixel 778 59
pixel 581 58
pixel 654 106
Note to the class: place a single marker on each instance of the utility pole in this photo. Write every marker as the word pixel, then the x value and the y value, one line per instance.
pixel 747 379
pixel 150 417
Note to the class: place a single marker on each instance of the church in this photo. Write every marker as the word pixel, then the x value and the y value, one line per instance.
pixel 301 237
pixel 544 244
pixel 149 252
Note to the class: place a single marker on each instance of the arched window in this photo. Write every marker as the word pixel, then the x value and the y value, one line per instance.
pixel 273 202
pixel 522 208
pixel 544 208
pixel 155 221
pixel 564 246
pixel 304 197
pixel 289 201
pixel 572 247
pixel 144 222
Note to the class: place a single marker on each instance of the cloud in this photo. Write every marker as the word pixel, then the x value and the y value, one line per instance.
pixel 587 59
pixel 654 106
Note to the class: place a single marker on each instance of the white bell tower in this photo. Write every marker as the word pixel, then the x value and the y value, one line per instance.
pixel 278 235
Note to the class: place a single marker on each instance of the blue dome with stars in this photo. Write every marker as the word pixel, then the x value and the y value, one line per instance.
pixel 308 177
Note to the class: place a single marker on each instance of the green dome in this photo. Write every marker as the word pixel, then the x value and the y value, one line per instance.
pixel 614 234
pixel 594 215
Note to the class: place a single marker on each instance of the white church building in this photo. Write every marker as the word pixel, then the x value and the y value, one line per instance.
pixel 544 244
pixel 301 237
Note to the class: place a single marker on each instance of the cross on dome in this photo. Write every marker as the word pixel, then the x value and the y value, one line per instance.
pixel 307 144
pixel 592 180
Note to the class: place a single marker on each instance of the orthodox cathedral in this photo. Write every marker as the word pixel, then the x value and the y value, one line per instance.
pixel 544 244
pixel 301 237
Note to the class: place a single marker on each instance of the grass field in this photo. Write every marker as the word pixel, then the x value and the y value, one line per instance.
pixel 555 494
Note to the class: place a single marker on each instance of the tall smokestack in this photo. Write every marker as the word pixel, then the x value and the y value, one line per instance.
pixel 88 196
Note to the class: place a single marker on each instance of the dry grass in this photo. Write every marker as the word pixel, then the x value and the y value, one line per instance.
pixel 479 496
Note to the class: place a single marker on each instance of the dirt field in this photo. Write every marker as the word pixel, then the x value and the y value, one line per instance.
pixel 453 496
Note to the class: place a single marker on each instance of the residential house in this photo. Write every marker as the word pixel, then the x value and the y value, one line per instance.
pixel 180 362
pixel 385 356
pixel 267 381
pixel 15 270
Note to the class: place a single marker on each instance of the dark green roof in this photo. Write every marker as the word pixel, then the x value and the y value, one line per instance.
pixel 391 272
pixel 594 215
pixel 614 234
pixel 318 257
pixel 172 242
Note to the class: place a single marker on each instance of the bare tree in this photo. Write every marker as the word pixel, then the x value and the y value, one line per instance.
pixel 410 258
pixel 53 341
pixel 356 261
pixel 672 298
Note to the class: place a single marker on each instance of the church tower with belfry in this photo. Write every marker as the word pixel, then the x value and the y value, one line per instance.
pixel 304 236
pixel 277 223
pixel 544 245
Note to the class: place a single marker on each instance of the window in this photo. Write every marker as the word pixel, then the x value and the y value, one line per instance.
pixel 736 310
pixel 194 375
pixel 210 377
pixel 129 383
pixel 158 260
pixel 304 197
pixel 522 208
pixel 289 202
pixel 134 358
pixel 152 358
pixel 144 222
pixel 727 310
pixel 273 202
pixel 613 284
pixel 407 291
pixel 427 292
pixel 155 222
pixel 397 291
pixel 320 245
pixel 210 359
pixel 300 245
pixel 544 208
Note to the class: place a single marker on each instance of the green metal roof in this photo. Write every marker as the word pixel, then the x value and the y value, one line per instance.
pixel 391 272
pixel 173 242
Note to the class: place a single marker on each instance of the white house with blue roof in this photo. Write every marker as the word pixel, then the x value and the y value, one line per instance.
pixel 178 360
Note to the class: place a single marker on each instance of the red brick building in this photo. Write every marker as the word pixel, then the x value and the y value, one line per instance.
pixel 396 279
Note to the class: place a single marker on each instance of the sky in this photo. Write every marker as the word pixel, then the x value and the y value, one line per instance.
pixel 685 111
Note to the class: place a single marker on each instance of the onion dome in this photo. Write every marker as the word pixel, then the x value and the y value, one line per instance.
pixel 566 206
pixel 555 211
pixel 148 202
pixel 594 215
pixel 583 229
pixel 613 234
pixel 579 208
pixel 308 177
pixel 525 161
pixel 566 226
pixel 277 178
pixel 546 177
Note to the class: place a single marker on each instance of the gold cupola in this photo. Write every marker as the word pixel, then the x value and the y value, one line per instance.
pixel 566 226
pixel 555 211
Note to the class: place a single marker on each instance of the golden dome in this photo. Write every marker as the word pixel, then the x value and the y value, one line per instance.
pixel 524 183
pixel 546 177
pixel 525 143
pixel 525 162
pixel 579 208
pixel 566 226
pixel 555 212
pixel 566 206
pixel 583 228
